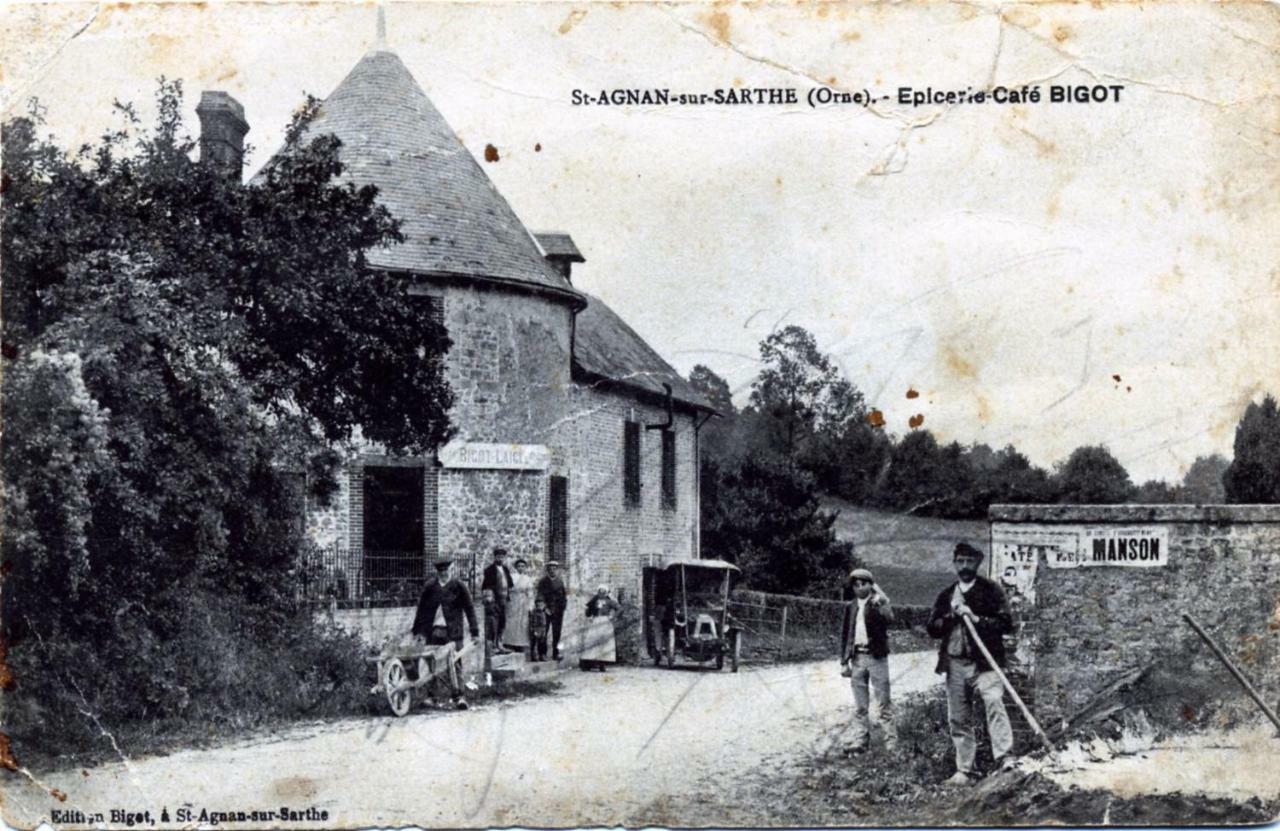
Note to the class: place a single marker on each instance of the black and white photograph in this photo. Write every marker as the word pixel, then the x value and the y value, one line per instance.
pixel 639 414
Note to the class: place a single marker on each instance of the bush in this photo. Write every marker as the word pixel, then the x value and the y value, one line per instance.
pixel 228 667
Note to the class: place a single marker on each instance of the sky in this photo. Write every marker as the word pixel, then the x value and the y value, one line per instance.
pixel 1043 274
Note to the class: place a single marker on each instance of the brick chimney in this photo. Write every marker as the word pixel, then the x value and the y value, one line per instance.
pixel 222 129
pixel 558 248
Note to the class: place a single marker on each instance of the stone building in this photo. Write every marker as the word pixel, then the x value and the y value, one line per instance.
pixel 576 440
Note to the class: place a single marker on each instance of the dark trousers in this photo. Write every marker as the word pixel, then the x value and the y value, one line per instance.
pixel 557 621
pixel 499 621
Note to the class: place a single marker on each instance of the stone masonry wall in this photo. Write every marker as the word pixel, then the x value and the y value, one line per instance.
pixel 508 366
pixel 483 509
pixel 1087 625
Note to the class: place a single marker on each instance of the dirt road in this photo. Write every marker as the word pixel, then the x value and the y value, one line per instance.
pixel 602 751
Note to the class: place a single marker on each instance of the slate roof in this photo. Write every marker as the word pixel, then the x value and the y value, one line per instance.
pixel 606 347
pixel 454 220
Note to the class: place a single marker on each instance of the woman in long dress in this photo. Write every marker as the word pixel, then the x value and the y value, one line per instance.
pixel 599 644
pixel 519 604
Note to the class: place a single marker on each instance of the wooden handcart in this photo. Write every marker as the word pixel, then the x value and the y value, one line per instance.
pixel 410 665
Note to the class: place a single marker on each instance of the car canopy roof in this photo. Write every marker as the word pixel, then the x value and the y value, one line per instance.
pixel 691 563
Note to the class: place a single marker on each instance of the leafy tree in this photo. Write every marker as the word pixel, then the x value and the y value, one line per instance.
pixel 1092 476
pixel 1254 473
pixel 926 478
pixel 724 436
pixel 1155 492
pixel 703 379
pixel 1202 483
pixel 176 343
pixel 1014 480
pixel 800 394
pixel 764 515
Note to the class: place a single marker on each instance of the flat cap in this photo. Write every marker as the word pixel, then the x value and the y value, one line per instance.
pixel 965 548
pixel 861 574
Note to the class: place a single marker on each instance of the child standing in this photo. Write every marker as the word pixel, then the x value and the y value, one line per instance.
pixel 538 621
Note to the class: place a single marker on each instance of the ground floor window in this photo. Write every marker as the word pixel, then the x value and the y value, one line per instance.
pixel 558 520
pixel 393 555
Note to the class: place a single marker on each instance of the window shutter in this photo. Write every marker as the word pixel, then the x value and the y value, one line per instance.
pixel 631 464
pixel 669 469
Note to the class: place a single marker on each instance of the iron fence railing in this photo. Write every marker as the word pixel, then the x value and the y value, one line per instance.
pixel 367 578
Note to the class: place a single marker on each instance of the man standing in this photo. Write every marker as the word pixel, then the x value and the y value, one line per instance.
pixel 497 579
pixel 864 651
pixel 552 592
pixel 441 608
pixel 984 604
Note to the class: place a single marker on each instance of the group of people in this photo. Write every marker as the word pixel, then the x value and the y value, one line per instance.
pixel 521 615
pixel 864 651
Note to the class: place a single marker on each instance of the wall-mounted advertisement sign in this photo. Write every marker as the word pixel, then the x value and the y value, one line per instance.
pixel 1132 546
pixel 477 455
pixel 1015 552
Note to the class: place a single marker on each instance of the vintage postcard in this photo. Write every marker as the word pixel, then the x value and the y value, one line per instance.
pixel 579 414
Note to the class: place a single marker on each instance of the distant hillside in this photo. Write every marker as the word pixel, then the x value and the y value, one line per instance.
pixel 910 555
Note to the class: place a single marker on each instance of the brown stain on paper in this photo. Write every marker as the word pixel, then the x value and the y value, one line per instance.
pixel 7 680
pixel 719 23
pixel 574 18
pixel 7 759
pixel 915 421
pixel 875 418
pixel 490 153
pixel 984 409
pixel 295 787
pixel 958 364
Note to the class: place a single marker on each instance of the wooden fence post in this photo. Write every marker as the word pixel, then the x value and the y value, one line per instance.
pixel 783 635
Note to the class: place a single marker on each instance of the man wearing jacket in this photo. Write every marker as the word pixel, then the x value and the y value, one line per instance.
pixel 497 579
pixel 555 597
pixel 864 651
pixel 967 671
pixel 441 608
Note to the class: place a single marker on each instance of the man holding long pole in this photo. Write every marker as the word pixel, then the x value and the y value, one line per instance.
pixel 967 668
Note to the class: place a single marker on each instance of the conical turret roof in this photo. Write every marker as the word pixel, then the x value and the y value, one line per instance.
pixel 453 218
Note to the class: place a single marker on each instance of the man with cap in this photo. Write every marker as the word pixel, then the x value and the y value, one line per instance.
pixel 551 591
pixel 441 608
pixel 497 579
pixel 864 654
pixel 985 605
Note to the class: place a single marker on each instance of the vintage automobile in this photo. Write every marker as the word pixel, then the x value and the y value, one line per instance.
pixel 686 613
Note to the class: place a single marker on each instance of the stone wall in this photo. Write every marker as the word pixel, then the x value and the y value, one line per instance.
pixel 328 525
pixel 1083 625
pixel 484 509
pixel 509 364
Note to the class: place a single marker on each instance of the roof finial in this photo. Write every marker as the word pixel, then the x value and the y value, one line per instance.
pixel 381 43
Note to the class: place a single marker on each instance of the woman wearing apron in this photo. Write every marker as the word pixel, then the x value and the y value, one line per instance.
pixel 519 605
pixel 599 646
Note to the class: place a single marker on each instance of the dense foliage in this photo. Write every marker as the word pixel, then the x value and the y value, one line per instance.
pixel 181 352
pixel 1254 473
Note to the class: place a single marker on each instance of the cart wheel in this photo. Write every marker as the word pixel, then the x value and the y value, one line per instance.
pixel 395 682
pixel 671 649
pixel 737 651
